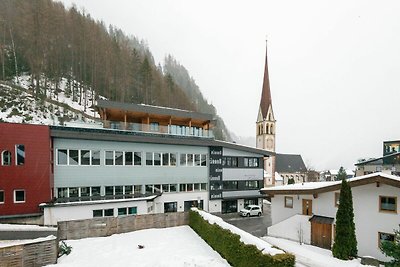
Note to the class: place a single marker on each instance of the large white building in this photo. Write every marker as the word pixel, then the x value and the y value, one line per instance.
pixel 306 212
pixel 149 159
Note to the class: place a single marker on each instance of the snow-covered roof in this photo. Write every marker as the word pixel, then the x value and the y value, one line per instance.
pixel 278 177
pixel 316 187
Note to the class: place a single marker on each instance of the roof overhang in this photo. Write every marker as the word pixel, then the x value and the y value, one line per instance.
pixel 369 179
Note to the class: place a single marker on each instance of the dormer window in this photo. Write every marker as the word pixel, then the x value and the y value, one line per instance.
pixel 6 158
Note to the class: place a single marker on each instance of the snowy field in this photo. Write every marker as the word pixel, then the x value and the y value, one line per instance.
pixel 168 247
pixel 311 256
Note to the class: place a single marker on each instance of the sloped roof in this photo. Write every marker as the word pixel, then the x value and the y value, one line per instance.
pixel 266 99
pixel 321 187
pixel 289 163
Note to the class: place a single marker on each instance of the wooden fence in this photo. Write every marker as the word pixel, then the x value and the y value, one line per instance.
pixel 107 226
pixel 39 253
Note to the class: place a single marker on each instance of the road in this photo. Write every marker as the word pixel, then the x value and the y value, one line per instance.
pixel 256 226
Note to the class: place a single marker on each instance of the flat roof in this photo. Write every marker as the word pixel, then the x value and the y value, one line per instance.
pixel 141 137
pixel 149 109
pixel 377 159
pixel 322 187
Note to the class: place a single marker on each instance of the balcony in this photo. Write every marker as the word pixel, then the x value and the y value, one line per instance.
pixel 178 130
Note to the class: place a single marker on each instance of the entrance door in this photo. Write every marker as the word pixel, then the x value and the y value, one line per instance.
pixel 307 207
pixel 321 235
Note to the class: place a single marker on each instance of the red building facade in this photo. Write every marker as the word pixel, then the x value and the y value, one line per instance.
pixel 25 168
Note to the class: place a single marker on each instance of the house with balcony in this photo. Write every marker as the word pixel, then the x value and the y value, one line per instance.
pixel 306 212
pixel 388 163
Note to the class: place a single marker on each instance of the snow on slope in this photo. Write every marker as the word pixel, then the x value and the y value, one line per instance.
pixel 18 105
pixel 168 247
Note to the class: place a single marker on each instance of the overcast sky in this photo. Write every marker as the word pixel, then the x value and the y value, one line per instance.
pixel 334 66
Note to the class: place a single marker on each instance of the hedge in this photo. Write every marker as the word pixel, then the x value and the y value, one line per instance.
pixel 229 246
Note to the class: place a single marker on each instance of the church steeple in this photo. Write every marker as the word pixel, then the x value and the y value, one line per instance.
pixel 266 100
pixel 265 127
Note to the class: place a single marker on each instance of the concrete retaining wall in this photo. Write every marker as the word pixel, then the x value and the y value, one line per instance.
pixel 107 226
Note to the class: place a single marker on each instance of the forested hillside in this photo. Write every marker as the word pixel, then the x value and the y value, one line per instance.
pixel 50 43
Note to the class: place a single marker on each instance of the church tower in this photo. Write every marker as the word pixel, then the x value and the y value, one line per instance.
pixel 265 127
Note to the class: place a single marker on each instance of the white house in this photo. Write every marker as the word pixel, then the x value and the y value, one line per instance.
pixel 306 212
pixel 331 175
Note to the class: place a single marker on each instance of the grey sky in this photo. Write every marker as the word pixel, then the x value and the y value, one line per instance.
pixel 334 66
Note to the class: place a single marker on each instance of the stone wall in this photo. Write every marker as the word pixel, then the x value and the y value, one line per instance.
pixel 39 253
pixel 107 226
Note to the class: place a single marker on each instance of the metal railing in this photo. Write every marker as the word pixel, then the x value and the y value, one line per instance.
pixel 179 130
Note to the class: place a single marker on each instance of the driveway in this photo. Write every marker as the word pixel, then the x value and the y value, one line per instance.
pixel 256 226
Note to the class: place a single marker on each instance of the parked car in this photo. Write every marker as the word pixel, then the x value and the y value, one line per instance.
pixel 251 210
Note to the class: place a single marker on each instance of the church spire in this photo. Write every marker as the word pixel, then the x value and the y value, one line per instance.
pixel 266 99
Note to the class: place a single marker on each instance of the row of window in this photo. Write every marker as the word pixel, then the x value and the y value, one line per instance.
pixel 234 162
pixel 6 157
pixel 127 158
pixel 386 203
pixel 127 190
pixel 19 196
pixel 110 212
pixel 234 185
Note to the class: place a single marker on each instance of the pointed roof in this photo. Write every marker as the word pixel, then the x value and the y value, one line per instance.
pixel 266 99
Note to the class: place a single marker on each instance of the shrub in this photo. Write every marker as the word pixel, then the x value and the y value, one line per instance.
pixel 229 246
pixel 64 249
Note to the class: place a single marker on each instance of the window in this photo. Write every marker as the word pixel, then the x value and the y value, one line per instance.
pixel 6 158
pixel 62 192
pixel 183 159
pixel 203 187
pixel 128 190
pixel 122 211
pixel 149 189
pixel 138 158
pixel 170 207
pixel 132 210
pixel 96 191
pixel 165 188
pixel 182 188
pixel 388 204
pixel 20 154
pixel 1 196
pixel 203 160
pixel 250 201
pixel 288 202
pixel 173 187
pixel 190 159
pixel 109 157
pixel 197 161
pixel 85 191
pixel 95 157
pixel 73 192
pixel 251 185
pixel 149 158
pixel 165 159
pixel 73 157
pixel 97 213
pixel 128 158
pixel 109 190
pixel 154 126
pixel 108 212
pixel 157 159
pixel 19 196
pixel 230 185
pixel 251 162
pixel 337 199
pixel 85 157
pixel 385 237
pixel 172 159
pixel 119 157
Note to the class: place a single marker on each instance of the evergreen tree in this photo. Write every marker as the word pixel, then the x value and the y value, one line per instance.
pixel 392 249
pixel 345 246
pixel 341 174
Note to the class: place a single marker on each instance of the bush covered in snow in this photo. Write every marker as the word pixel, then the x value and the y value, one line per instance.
pixel 232 249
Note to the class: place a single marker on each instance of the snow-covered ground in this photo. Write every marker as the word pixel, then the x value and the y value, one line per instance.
pixel 167 247
pixel 20 106
pixel 311 256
